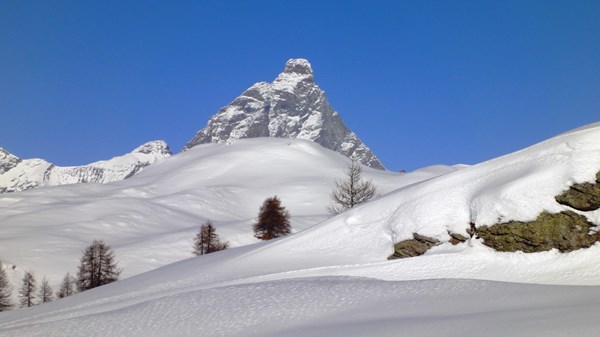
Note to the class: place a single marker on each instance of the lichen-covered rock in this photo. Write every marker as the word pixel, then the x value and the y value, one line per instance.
pixel 565 231
pixel 414 247
pixel 584 197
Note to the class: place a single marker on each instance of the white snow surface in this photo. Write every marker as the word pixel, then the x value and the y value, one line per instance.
pixel 150 219
pixel 329 278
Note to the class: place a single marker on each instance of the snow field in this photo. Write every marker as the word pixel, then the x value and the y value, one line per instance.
pixel 328 279
pixel 150 219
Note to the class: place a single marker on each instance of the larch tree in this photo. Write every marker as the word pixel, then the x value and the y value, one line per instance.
pixel 207 240
pixel 350 191
pixel 45 292
pixel 27 291
pixel 67 286
pixel 5 291
pixel 273 220
pixel 97 266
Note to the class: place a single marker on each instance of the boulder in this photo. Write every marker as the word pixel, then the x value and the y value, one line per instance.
pixel 565 231
pixel 413 247
pixel 456 238
pixel 583 197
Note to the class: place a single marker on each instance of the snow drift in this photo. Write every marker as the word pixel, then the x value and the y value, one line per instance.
pixel 333 279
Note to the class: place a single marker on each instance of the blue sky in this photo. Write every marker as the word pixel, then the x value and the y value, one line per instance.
pixel 420 82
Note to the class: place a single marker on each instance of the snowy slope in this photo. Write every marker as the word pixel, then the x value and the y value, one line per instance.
pixel 333 279
pixel 151 218
pixel 17 174
pixel 292 106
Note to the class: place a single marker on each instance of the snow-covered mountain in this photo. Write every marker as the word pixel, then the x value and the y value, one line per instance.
pixel 21 174
pixel 292 106
pixel 329 278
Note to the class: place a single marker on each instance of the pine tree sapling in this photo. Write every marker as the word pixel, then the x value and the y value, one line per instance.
pixel 97 266
pixel 5 291
pixel 207 240
pixel 27 291
pixel 350 191
pixel 45 292
pixel 67 286
pixel 273 220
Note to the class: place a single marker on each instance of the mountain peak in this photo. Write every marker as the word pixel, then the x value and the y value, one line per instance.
pixel 296 71
pixel 292 106
pixel 298 66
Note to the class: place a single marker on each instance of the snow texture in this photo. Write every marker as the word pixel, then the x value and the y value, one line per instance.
pixel 292 106
pixel 18 175
pixel 329 278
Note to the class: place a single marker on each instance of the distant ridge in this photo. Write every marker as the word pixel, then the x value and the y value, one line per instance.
pixel 18 174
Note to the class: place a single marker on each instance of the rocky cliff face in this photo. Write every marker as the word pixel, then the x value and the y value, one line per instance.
pixel 292 106
pixel 17 174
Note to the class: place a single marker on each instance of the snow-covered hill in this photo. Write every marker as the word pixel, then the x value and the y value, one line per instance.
pixel 21 174
pixel 151 218
pixel 333 278
pixel 292 106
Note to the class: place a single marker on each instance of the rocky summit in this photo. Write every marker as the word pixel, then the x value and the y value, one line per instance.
pixel 292 106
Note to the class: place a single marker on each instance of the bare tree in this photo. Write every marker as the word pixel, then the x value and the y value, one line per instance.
pixel 67 286
pixel 97 267
pixel 273 220
pixel 207 240
pixel 27 291
pixel 5 291
pixel 45 293
pixel 350 191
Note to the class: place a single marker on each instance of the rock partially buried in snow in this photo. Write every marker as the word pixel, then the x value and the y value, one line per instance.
pixel 416 246
pixel 583 197
pixel 565 231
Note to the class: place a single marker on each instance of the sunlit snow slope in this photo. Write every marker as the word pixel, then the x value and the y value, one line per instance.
pixel 150 219
pixel 333 279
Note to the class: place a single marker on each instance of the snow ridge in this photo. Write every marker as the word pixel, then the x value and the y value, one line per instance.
pixel 292 106
pixel 17 174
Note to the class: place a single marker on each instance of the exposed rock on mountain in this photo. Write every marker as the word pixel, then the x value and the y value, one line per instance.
pixel 292 106
pixel 18 175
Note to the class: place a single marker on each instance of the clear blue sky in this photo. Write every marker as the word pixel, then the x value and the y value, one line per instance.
pixel 420 82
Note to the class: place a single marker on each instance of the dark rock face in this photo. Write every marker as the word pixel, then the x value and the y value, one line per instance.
pixel 565 231
pixel 414 247
pixel 292 106
pixel 583 197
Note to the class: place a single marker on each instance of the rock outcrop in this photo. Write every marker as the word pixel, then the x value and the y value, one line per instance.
pixel 565 231
pixel 292 106
pixel 416 246
pixel 583 197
